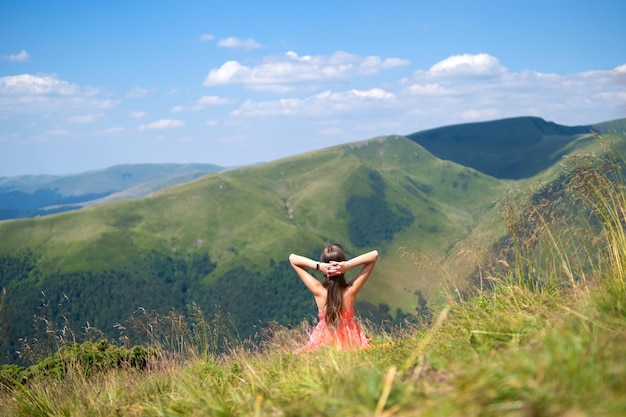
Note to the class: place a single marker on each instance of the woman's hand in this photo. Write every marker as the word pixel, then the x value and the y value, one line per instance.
pixel 336 268
pixel 331 269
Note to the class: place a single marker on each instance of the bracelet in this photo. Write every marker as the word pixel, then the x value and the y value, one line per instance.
pixel 317 266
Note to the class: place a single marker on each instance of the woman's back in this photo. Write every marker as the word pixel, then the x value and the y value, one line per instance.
pixel 348 300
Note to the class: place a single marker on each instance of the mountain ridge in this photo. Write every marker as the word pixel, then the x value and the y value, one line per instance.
pixel 37 195
pixel 511 148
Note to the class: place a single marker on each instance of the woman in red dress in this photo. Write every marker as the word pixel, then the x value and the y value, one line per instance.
pixel 335 298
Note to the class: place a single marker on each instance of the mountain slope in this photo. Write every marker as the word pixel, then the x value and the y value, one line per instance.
pixel 28 196
pixel 514 148
pixel 224 239
pixel 278 204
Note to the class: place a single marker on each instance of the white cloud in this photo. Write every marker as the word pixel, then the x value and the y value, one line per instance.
pixel 375 93
pixel 324 103
pixel 205 37
pixel 480 114
pixel 429 89
pixel 233 42
pixel 213 100
pixel 84 118
pixel 138 92
pixel 619 73
pixel 372 65
pixel 477 87
pixel 137 114
pixel 27 93
pixel 395 62
pixel 458 89
pixel 32 85
pixel 467 64
pixel 202 103
pixel 23 56
pixel 289 71
pixel 162 124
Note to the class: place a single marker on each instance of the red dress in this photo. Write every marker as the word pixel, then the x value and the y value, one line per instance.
pixel 347 335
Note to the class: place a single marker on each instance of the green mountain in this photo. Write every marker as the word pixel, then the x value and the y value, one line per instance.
pixel 223 239
pixel 513 148
pixel 37 195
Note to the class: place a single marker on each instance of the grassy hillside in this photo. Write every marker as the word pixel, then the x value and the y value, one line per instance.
pixel 545 340
pixel 249 216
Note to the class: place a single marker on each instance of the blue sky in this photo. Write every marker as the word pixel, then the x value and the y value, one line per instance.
pixel 90 84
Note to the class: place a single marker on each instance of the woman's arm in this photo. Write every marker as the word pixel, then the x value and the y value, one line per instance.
pixel 300 265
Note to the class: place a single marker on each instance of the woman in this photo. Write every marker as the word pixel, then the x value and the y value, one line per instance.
pixel 335 298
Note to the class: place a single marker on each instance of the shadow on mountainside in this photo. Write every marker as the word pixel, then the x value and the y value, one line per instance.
pixel 514 148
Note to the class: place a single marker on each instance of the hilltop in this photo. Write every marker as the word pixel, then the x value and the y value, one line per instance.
pixel 514 148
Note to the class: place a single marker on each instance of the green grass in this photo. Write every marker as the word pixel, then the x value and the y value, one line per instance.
pixel 509 352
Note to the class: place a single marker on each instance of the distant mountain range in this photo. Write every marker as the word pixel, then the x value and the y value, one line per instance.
pixel 38 195
pixel 425 201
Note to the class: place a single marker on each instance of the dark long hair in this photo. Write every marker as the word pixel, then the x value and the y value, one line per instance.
pixel 334 285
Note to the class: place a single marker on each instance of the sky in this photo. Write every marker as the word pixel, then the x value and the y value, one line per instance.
pixel 86 85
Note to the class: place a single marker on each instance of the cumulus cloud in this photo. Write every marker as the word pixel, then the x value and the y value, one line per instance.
pixel 22 56
pixel 162 124
pixel 202 103
pixel 27 93
pixel 32 85
pixel 619 74
pixel 138 92
pixel 459 88
pixel 429 89
pixel 205 37
pixel 324 103
pixel 467 64
pixel 480 114
pixel 233 42
pixel 289 71
pixel 477 87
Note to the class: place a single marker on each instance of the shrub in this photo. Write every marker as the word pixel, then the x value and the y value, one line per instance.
pixel 87 358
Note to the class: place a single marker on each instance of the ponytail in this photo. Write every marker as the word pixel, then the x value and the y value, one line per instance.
pixel 335 287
